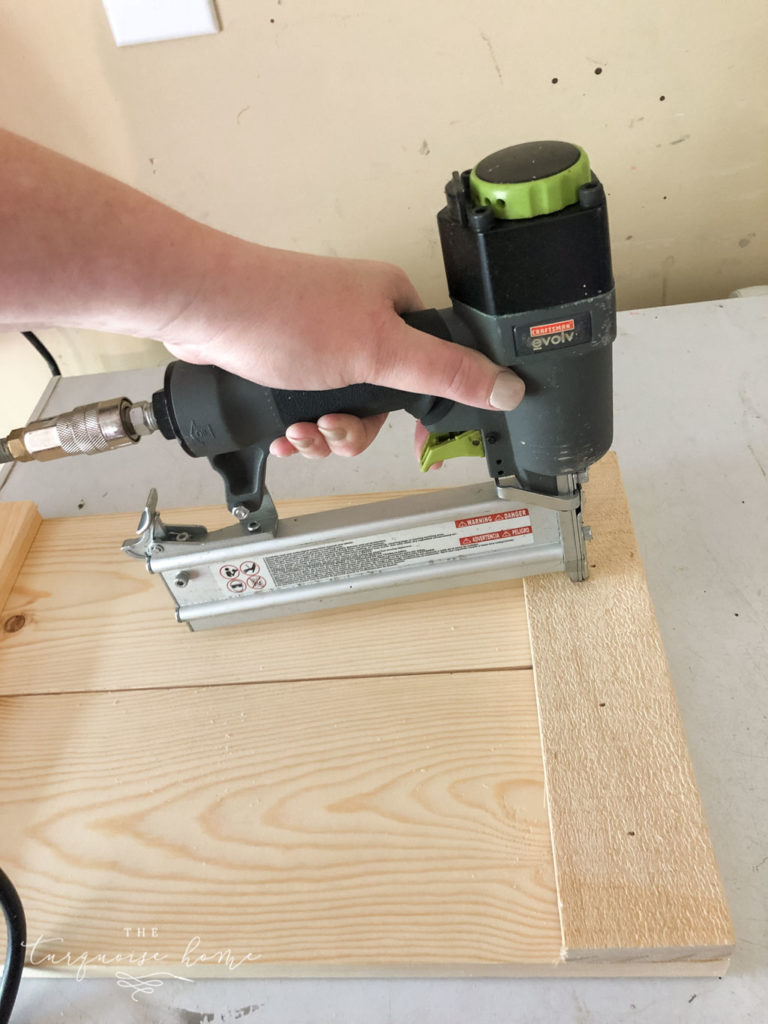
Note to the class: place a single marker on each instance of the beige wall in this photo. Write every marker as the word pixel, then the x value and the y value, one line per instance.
pixel 332 126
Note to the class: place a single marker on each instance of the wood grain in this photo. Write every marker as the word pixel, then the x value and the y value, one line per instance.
pixel 106 623
pixel 398 820
pixel 19 523
pixel 635 868
pixel 379 809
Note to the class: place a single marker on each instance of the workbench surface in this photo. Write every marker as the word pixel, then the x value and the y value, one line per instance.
pixel 692 436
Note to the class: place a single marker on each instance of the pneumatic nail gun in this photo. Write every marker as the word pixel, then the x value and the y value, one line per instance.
pixel 527 257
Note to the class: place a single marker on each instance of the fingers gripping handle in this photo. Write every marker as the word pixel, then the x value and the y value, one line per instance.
pixel 232 421
pixel 212 412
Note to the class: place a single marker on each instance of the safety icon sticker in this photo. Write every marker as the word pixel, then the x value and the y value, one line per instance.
pixel 245 577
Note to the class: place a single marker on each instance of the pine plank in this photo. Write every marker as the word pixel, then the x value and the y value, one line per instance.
pixel 346 821
pixel 398 821
pixel 105 623
pixel 19 522
pixel 636 872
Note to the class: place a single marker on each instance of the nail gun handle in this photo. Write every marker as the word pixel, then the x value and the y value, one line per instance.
pixel 355 400
pixel 232 421
pixel 361 399
pixel 211 411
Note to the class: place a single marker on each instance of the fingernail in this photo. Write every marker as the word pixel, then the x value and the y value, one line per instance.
pixel 333 435
pixel 507 392
pixel 300 442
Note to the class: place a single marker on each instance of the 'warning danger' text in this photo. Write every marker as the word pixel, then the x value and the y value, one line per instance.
pixel 492 517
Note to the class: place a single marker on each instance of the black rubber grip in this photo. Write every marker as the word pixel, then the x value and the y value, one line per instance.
pixel 356 400
pixel 361 399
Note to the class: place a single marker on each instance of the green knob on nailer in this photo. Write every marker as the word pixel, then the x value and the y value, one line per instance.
pixel 530 180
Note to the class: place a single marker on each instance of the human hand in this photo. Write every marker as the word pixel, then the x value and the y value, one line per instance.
pixel 290 320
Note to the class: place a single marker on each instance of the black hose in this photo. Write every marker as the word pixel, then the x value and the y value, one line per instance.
pixel 16 927
pixel 39 347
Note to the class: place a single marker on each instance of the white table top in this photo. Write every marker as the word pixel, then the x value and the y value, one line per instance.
pixel 691 417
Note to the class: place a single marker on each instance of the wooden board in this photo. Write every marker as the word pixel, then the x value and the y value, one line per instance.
pixel 636 873
pixel 19 523
pixel 358 791
pixel 361 821
pixel 76 584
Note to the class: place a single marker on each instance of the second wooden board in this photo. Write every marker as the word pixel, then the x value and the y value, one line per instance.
pixel 390 821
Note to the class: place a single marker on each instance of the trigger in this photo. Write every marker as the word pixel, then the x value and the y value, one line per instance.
pixel 438 447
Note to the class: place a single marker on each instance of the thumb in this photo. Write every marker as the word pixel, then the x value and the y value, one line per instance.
pixel 418 362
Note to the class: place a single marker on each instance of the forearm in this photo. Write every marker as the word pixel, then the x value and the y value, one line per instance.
pixel 80 249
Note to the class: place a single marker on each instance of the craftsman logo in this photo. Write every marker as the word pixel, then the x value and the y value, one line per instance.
pixel 492 517
pixel 551 335
pixel 558 328
pixel 483 538
pixel 557 334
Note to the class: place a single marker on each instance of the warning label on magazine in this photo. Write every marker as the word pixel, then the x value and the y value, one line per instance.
pixel 435 542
